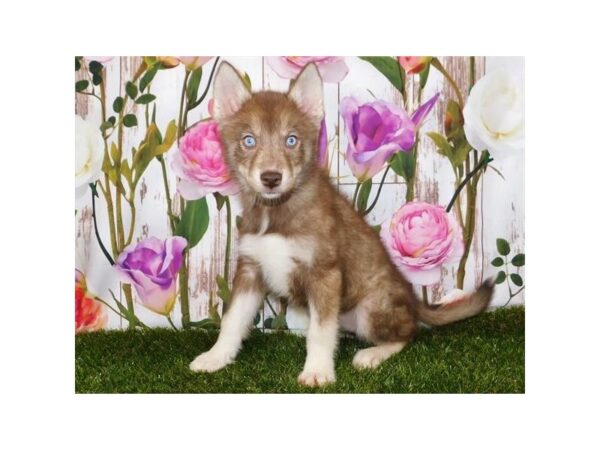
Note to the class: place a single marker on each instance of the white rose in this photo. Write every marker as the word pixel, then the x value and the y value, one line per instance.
pixel 494 113
pixel 89 153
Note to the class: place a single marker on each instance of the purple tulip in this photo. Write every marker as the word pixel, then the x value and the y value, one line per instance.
pixel 151 266
pixel 376 131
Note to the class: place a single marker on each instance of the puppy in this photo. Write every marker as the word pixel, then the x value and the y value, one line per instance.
pixel 301 239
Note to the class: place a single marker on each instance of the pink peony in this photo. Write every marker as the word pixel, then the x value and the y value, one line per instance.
pixel 420 238
pixel 333 69
pixel 414 64
pixel 199 163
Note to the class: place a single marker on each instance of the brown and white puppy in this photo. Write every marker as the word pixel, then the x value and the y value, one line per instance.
pixel 301 239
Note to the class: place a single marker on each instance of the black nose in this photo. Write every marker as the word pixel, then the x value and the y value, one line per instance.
pixel 270 179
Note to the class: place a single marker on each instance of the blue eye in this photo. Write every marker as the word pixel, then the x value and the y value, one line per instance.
pixel 249 141
pixel 291 141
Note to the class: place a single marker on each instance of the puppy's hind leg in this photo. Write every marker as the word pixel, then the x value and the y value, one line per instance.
pixel 369 358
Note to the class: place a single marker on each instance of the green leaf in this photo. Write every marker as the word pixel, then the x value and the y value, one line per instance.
pixel 377 228
pixel 461 153
pixel 118 104
pixel 194 222
pixel 223 292
pixel 238 222
pixel 247 81
pixel 502 246
pixel 95 67
pixel 131 90
pixel 518 260
pixel 145 99
pixel 169 140
pixel 516 279
pixel 268 323
pixel 130 120
pixel 444 148
pixel 257 319
pixel 501 277
pixel 279 322
pixel 191 89
pixel 404 164
pixel 147 78
pixel 220 200
pixel 112 120
pixel 389 68
pixel 115 154
pixel 96 79
pixel 105 126
pixel 497 262
pixel 363 195
pixel 81 85
pixel 77 63
pixel 423 76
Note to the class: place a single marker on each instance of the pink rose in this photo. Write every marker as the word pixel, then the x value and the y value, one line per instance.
pixel 200 165
pixel 333 69
pixel 420 238
pixel 414 64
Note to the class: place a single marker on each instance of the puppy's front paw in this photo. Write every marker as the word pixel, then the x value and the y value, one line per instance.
pixel 316 378
pixel 210 361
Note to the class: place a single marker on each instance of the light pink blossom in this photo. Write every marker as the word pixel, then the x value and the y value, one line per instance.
pixel 193 62
pixel 414 64
pixel 333 69
pixel 420 239
pixel 200 165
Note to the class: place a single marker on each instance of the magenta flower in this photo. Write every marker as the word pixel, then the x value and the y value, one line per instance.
pixel 333 69
pixel 200 165
pixel 376 131
pixel 151 266
pixel 420 238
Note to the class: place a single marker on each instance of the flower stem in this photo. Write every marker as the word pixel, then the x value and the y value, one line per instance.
pixel 171 322
pixel 212 72
pixel 484 161
pixel 102 247
pixel 370 208
pixel 438 65
pixel 358 183
pixel 167 194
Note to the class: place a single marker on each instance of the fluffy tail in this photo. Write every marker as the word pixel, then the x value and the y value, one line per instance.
pixel 470 306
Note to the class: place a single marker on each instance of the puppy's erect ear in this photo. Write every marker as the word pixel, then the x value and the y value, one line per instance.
pixel 229 93
pixel 307 92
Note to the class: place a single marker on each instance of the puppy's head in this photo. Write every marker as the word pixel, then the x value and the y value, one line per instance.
pixel 270 138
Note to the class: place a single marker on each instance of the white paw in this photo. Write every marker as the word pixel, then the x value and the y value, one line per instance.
pixel 210 361
pixel 316 378
pixel 368 358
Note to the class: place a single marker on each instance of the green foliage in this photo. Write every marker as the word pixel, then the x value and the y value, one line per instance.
pixel 81 85
pixel 389 67
pixel 193 85
pixel 118 104
pixel 485 354
pixel 194 222
pixel 131 89
pixel 77 63
pixel 130 120
pixel 95 67
pixel 144 99
pixel 147 78
pixel 503 246
pixel 223 291
pixel 404 164
pixel 424 75
pixel 220 199
pixel 363 195
pixel 517 261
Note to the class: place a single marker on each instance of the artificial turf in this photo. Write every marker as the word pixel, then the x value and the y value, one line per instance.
pixel 483 354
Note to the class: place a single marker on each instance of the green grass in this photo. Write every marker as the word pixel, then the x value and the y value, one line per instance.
pixel 483 354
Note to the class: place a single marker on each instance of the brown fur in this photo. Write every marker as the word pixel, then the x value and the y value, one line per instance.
pixel 350 263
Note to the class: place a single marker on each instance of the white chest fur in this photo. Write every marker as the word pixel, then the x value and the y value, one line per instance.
pixel 277 256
